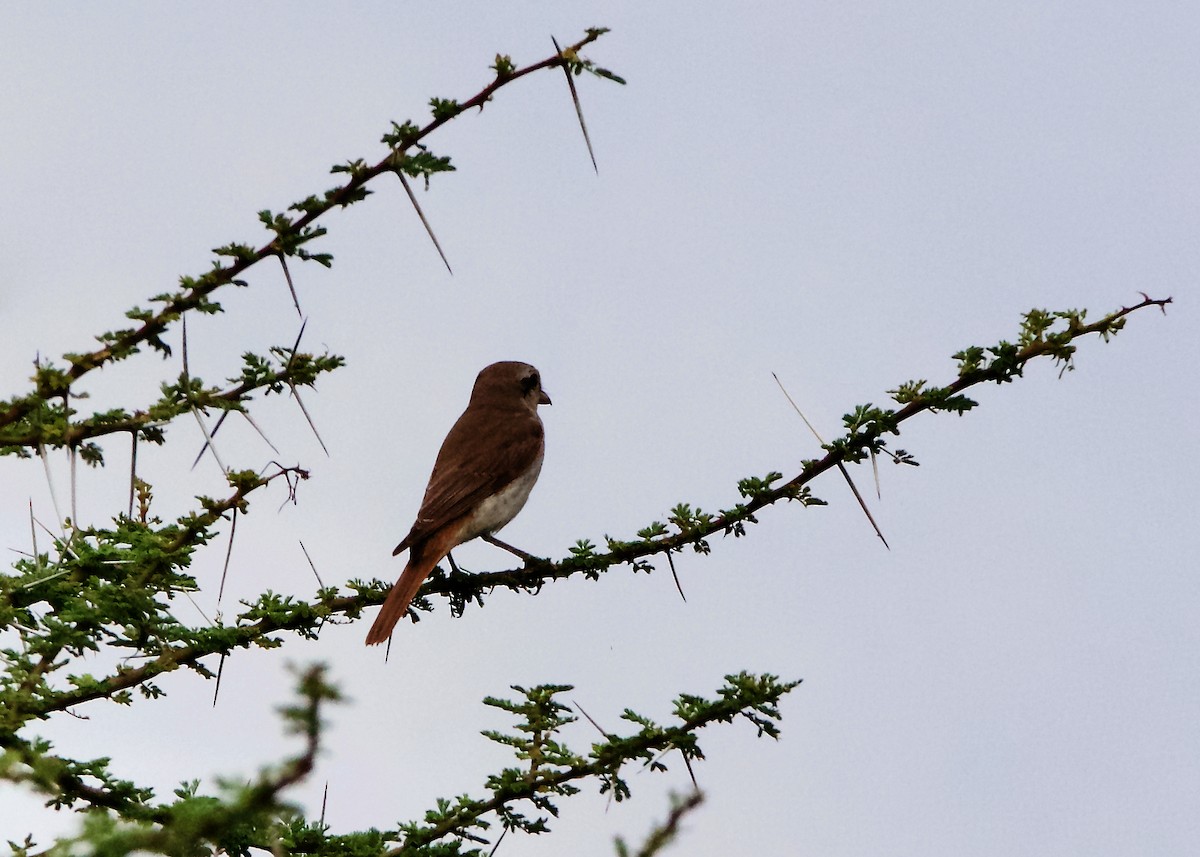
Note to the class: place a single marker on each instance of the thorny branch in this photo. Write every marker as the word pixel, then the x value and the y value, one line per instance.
pixel 290 238
pixel 274 614
pixel 169 645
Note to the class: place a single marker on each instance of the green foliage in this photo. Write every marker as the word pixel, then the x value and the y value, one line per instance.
pixel 242 818
pixel 503 66
pixel 524 797
pixel 422 164
pixel 577 65
pixel 444 108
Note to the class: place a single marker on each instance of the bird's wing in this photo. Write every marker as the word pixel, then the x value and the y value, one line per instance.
pixel 484 451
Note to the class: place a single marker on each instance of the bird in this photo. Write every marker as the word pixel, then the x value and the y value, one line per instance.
pixel 481 479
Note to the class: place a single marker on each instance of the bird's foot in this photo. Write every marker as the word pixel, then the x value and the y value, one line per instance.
pixel 527 558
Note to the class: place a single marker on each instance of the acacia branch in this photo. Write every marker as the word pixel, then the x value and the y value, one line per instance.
pixel 753 697
pixel 291 235
pixel 191 819
pixel 26 704
pixel 274 615
pixel 850 448
pixel 164 411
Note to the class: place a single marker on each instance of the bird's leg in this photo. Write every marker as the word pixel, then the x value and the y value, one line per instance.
pixel 453 564
pixel 528 558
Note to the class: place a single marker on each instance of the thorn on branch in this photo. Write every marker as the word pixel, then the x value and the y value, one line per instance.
pixel 50 484
pixel 133 468
pixel 1149 301
pixel 72 460
pixel 187 388
pixel 287 275
pixel 254 425
pixel 840 466
pixel 591 720
pixel 691 773
pixel 216 428
pixel 312 565
pixel 575 99
pixel 412 197
pixel 220 672
pixel 671 562
pixel 296 392
pixel 308 417
pixel 499 839
pixel 37 561
pixel 228 554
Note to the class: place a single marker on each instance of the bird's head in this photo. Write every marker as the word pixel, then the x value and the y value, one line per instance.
pixel 509 382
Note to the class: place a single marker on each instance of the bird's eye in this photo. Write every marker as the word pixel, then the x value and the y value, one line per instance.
pixel 530 383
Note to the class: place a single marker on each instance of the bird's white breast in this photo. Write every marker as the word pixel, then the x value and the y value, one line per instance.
pixel 500 508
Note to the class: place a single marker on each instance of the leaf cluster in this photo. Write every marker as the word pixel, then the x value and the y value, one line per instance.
pixel 524 797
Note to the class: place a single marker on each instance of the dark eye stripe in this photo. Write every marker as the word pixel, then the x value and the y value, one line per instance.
pixel 530 383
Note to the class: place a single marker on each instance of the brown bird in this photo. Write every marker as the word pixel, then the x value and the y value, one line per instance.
pixel 482 477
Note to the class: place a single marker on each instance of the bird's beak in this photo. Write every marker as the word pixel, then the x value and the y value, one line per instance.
pixel 543 399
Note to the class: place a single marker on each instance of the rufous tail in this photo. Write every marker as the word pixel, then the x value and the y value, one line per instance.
pixel 421 560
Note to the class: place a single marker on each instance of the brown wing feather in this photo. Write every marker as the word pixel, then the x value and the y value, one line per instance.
pixel 487 448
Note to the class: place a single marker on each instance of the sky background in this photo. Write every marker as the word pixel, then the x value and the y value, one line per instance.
pixel 843 194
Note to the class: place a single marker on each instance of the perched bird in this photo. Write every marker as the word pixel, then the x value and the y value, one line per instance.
pixel 482 477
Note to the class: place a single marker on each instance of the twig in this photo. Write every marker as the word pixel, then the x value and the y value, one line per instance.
pixel 663 835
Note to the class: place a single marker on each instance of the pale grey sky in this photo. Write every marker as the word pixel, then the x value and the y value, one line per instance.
pixel 844 194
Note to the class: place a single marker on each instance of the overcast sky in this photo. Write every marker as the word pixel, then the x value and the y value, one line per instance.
pixel 844 194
